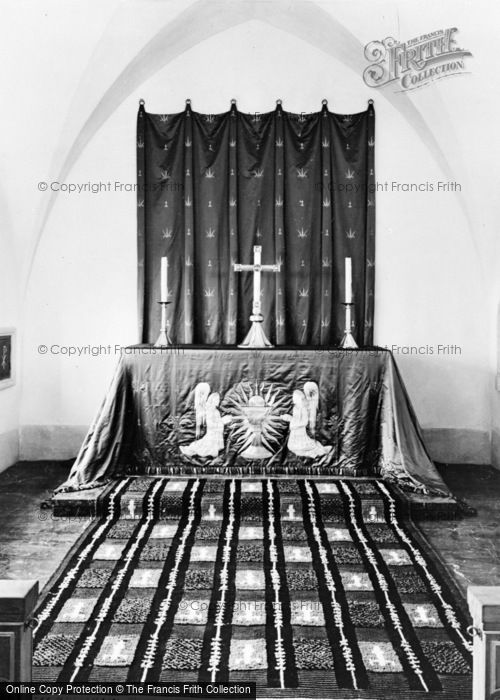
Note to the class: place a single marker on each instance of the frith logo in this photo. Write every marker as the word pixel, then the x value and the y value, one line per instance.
pixel 416 62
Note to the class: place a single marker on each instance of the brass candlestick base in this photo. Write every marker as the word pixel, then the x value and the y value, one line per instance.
pixel 348 339
pixel 163 339
pixel 256 338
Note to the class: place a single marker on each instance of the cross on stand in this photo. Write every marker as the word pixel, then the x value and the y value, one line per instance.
pixel 256 338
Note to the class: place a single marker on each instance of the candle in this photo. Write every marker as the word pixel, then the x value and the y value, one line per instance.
pixel 348 280
pixel 164 279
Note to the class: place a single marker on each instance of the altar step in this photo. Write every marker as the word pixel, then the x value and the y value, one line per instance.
pixel 417 506
pixel 411 506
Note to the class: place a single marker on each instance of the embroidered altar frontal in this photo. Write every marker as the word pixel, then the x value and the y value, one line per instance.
pixel 277 411
pixel 307 587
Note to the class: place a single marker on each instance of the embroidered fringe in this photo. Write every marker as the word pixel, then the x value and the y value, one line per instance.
pixel 249 470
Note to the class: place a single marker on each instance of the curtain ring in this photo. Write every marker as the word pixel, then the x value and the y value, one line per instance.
pixel 324 103
pixel 279 102
pixel 474 631
pixel 370 101
pixel 141 102
pixel 188 102
pixel 233 101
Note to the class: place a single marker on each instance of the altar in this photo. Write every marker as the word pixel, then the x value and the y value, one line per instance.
pixel 276 411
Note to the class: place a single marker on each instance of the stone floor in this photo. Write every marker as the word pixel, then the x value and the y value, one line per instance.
pixel 470 547
pixel 33 543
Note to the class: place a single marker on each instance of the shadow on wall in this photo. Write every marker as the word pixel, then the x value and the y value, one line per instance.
pixel 433 371
pixel 10 283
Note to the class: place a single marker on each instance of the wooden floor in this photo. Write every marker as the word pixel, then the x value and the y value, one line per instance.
pixel 33 543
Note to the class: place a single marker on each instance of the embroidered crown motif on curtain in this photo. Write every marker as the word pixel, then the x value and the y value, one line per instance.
pixel 210 187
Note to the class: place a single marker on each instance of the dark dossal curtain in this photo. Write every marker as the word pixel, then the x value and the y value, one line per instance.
pixel 210 187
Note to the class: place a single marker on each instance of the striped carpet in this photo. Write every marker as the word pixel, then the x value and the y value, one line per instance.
pixel 310 588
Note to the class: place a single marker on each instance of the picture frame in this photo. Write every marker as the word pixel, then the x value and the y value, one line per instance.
pixel 7 357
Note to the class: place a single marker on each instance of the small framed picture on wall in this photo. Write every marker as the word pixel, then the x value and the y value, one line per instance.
pixel 7 368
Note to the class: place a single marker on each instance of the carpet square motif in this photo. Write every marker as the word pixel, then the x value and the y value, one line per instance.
pixel 133 611
pixel 117 650
pixel 423 614
pixel 373 512
pixel 326 487
pixel 145 578
pixel 182 654
pixel 176 485
pixel 171 505
pixel 54 649
pixel 249 612
pixel 365 613
pixel 77 610
pixel 250 552
pixel 396 557
pixel 109 552
pixel 346 554
pixel 94 578
pixel 332 509
pixel 407 581
pixel 291 511
pixel 251 486
pixel 356 581
pixel 293 531
pixel 192 611
pixel 280 582
pixel 250 533
pixel 307 612
pixel 313 654
pixel 250 579
pixel 381 533
pixel 295 554
pixel 208 532
pixel 247 654
pixel 198 579
pixel 131 506
pixel 445 657
pixel 251 507
pixel 212 511
pixel 163 531
pixel 380 657
pixel 157 551
pixel 301 579
pixel 140 483
pixel 336 534
pixel 122 530
pixel 199 553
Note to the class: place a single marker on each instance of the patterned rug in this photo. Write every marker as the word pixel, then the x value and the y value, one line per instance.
pixel 309 588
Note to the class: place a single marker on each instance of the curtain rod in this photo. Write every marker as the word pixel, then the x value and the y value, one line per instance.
pixel 279 102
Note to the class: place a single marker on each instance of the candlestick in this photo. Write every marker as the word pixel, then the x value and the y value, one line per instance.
pixel 348 339
pixel 164 280
pixel 163 338
pixel 348 280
